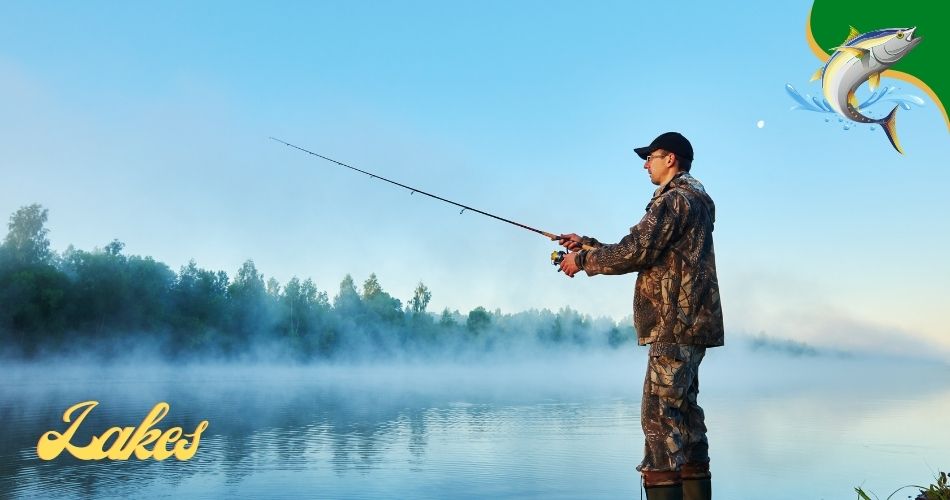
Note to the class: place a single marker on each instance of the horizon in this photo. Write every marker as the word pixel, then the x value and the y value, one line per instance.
pixel 444 336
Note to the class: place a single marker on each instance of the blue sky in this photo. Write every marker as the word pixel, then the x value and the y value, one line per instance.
pixel 149 123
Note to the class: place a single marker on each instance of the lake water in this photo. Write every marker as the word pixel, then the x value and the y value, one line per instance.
pixel 561 426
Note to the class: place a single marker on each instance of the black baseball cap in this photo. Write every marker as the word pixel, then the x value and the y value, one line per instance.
pixel 674 142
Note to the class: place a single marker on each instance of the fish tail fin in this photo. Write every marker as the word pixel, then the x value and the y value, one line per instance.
pixel 889 125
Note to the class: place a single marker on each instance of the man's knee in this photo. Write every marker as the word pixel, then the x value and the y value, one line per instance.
pixel 653 478
pixel 691 471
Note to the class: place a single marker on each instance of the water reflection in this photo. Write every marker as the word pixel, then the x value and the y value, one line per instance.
pixel 563 428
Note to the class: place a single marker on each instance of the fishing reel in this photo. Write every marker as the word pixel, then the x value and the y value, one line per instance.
pixel 557 256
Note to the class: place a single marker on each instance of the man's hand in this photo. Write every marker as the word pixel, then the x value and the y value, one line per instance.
pixel 571 242
pixel 568 266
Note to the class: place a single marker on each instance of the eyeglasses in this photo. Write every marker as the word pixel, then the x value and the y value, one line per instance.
pixel 652 157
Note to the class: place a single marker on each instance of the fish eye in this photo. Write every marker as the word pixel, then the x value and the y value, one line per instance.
pixel 900 35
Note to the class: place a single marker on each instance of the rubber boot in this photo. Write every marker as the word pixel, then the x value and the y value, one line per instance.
pixel 697 484
pixel 668 492
pixel 697 489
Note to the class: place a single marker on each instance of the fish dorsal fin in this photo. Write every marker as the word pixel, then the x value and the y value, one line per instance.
pixel 853 100
pixel 852 34
pixel 854 51
pixel 817 74
pixel 874 81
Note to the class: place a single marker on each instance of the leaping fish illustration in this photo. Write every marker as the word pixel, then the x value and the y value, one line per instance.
pixel 862 58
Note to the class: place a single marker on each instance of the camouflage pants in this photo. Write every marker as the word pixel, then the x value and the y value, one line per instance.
pixel 673 424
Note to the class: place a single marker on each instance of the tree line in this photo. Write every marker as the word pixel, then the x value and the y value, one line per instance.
pixel 107 302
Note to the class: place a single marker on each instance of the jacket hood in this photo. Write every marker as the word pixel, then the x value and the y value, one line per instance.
pixel 685 181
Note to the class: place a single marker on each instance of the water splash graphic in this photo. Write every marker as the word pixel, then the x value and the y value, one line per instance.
pixel 883 94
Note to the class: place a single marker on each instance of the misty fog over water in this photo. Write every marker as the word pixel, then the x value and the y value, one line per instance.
pixel 555 425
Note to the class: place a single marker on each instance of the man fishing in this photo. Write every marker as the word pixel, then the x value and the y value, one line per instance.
pixel 676 312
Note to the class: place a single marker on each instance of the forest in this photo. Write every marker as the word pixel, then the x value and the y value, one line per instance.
pixel 106 303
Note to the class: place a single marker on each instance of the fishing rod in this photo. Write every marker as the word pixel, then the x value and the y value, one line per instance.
pixel 556 256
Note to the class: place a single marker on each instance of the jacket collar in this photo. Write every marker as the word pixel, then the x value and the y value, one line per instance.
pixel 677 179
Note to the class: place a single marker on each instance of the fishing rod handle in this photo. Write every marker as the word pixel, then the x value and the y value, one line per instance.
pixel 555 237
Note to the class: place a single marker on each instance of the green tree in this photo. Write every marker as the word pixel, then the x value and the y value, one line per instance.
pixel 478 320
pixel 380 303
pixel 26 242
pixel 114 248
pixel 296 304
pixel 199 307
pixel 323 337
pixel 316 297
pixel 273 288
pixel 420 299
pixel 115 293
pixel 303 317
pixel 345 325
pixel 616 337
pixel 447 319
pixel 247 282
pixel 249 303
pixel 33 294
pixel 347 300
pixel 150 285
pixel 33 310
pixel 102 290
pixel 371 287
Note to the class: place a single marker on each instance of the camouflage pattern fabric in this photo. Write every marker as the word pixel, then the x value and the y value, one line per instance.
pixel 673 423
pixel 676 299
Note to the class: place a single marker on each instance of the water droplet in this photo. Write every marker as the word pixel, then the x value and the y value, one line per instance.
pixel 873 128
pixel 827 120
pixel 846 127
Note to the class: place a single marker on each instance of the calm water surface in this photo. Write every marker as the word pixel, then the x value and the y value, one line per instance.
pixel 560 427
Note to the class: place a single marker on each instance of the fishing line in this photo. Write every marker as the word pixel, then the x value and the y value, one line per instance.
pixel 413 190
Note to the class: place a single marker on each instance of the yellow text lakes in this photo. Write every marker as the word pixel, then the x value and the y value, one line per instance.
pixel 128 440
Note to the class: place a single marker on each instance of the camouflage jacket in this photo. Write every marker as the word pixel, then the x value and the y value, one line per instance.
pixel 676 299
